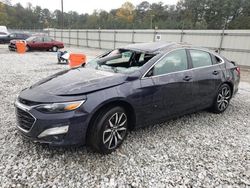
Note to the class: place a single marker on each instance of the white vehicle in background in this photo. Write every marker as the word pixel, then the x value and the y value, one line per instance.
pixel 3 30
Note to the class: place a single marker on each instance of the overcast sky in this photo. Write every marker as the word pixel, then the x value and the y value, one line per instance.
pixel 85 6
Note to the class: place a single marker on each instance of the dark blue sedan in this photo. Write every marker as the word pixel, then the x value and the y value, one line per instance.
pixel 127 88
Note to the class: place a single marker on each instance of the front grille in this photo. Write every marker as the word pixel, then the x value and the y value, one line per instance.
pixel 24 119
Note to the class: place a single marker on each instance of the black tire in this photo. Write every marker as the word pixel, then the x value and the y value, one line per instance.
pixel 27 48
pixel 222 99
pixel 54 49
pixel 102 136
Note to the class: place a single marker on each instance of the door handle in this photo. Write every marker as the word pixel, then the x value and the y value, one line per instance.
pixel 187 78
pixel 215 73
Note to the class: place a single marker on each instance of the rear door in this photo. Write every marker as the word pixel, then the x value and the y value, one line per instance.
pixel 167 87
pixel 207 75
pixel 47 43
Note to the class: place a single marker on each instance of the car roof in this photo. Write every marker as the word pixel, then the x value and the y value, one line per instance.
pixel 154 47
pixel 19 33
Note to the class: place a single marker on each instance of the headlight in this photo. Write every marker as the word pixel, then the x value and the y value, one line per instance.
pixel 59 107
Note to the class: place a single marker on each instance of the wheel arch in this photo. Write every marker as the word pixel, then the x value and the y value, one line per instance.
pixel 109 104
pixel 230 84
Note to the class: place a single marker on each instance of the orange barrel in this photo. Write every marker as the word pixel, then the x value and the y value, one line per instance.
pixel 20 47
pixel 76 60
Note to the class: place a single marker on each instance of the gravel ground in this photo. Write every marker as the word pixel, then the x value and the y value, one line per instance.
pixel 197 150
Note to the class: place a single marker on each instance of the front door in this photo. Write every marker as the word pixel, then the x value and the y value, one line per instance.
pixel 167 87
pixel 37 43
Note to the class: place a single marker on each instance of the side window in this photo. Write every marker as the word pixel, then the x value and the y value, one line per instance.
pixel 173 62
pixel 19 35
pixel 47 39
pixel 38 39
pixel 12 35
pixel 200 58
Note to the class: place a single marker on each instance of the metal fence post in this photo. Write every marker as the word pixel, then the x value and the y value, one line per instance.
pixel 114 39
pixel 154 33
pixel 221 40
pixel 77 38
pixel 87 38
pixel 69 37
pixel 99 36
pixel 62 35
pixel 55 33
pixel 133 36
pixel 182 34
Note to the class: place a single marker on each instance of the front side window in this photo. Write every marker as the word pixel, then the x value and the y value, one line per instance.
pixel 47 39
pixel 173 62
pixel 200 58
pixel 38 39
pixel 12 35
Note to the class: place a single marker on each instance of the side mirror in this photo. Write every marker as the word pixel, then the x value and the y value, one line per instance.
pixel 133 76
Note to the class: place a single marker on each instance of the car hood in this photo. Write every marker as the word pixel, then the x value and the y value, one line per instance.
pixel 13 41
pixel 71 83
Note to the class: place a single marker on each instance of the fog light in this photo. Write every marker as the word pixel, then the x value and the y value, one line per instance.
pixel 54 131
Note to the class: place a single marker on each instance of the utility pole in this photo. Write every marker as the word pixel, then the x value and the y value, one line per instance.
pixel 62 15
pixel 151 21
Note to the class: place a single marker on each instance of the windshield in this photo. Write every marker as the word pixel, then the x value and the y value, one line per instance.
pixel 30 39
pixel 120 61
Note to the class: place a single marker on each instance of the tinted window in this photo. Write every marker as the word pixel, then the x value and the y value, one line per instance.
pixel 200 58
pixel 173 62
pixel 31 39
pixel 47 39
pixel 12 35
pixel 19 35
pixel 38 39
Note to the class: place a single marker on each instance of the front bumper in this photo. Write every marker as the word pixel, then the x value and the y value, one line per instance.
pixel 58 129
pixel 12 47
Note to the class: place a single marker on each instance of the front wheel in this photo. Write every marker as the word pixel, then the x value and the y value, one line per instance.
pixel 109 130
pixel 27 48
pixel 222 99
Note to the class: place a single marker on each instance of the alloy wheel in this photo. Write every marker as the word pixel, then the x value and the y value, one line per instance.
pixel 115 130
pixel 223 98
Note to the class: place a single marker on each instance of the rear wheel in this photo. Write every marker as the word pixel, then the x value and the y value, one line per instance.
pixel 109 130
pixel 222 99
pixel 54 49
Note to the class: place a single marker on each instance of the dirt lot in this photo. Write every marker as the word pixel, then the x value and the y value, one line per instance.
pixel 197 150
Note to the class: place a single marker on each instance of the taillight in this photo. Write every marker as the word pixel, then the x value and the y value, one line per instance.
pixel 238 70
